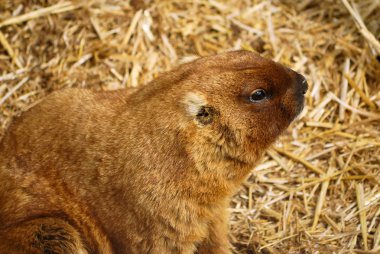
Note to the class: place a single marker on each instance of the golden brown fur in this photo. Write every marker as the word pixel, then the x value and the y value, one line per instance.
pixel 147 171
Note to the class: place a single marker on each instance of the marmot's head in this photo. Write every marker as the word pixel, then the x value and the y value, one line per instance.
pixel 240 102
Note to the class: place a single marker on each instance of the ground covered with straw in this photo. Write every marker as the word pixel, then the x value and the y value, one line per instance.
pixel 317 190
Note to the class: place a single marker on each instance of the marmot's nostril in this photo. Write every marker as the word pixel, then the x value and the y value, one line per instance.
pixel 305 86
pixel 302 83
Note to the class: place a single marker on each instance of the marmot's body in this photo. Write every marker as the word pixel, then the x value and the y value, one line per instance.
pixel 149 171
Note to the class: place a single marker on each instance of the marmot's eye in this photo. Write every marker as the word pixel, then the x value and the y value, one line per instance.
pixel 258 95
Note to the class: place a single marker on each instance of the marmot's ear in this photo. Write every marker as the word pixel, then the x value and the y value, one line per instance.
pixel 197 107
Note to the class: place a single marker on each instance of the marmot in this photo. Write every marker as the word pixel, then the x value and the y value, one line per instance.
pixel 145 171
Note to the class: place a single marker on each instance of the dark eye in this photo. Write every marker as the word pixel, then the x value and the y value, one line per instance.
pixel 258 95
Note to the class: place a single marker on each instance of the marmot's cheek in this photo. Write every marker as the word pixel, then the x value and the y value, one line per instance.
pixel 291 105
pixel 287 111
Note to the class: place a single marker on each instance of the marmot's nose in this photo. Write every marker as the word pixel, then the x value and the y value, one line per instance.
pixel 302 83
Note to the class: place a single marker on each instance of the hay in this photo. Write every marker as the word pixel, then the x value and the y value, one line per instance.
pixel 318 188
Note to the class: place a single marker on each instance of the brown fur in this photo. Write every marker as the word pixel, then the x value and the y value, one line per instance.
pixel 147 171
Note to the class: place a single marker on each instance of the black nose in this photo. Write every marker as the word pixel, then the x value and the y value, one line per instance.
pixel 302 83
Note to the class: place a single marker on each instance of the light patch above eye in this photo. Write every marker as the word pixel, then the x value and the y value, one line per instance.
pixel 194 101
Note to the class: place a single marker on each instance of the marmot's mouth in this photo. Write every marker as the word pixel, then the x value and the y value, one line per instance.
pixel 300 104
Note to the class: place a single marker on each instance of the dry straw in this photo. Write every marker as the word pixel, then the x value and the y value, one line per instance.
pixel 318 189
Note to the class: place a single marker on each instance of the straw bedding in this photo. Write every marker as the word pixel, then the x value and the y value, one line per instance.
pixel 317 190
